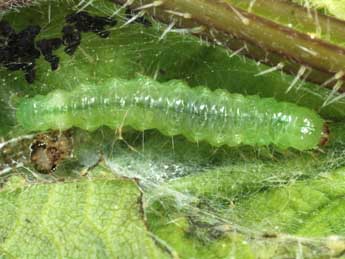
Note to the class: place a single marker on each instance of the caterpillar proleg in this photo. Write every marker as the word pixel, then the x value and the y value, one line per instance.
pixel 217 117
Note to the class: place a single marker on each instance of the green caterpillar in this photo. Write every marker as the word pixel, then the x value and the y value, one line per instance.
pixel 218 117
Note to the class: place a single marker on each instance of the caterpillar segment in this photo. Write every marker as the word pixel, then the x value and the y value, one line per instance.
pixel 173 108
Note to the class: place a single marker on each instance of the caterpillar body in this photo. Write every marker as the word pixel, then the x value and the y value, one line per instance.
pixel 173 108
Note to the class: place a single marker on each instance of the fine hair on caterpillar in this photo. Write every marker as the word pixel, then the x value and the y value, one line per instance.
pixel 173 108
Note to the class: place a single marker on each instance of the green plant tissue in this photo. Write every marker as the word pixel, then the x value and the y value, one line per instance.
pixel 133 194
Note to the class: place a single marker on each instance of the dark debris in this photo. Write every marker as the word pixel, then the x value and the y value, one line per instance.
pixel 83 22
pixel 47 47
pixel 71 38
pixel 17 50
pixel 49 150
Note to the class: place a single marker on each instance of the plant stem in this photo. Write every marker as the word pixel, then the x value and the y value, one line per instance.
pixel 275 32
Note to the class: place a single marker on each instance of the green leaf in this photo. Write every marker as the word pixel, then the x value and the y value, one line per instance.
pixel 309 208
pixel 83 219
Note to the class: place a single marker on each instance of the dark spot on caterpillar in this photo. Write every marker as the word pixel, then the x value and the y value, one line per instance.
pixel 18 51
pixel 141 19
pixel 47 47
pixel 49 150
pixel 269 235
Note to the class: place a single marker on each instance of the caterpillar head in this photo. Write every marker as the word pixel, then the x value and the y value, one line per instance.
pixel 302 129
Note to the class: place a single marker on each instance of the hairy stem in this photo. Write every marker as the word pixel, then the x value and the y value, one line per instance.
pixel 300 41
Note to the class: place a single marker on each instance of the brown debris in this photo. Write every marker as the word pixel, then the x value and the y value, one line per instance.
pixel 325 135
pixel 49 150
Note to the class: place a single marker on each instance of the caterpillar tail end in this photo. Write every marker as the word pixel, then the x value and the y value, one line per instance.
pixel 325 135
